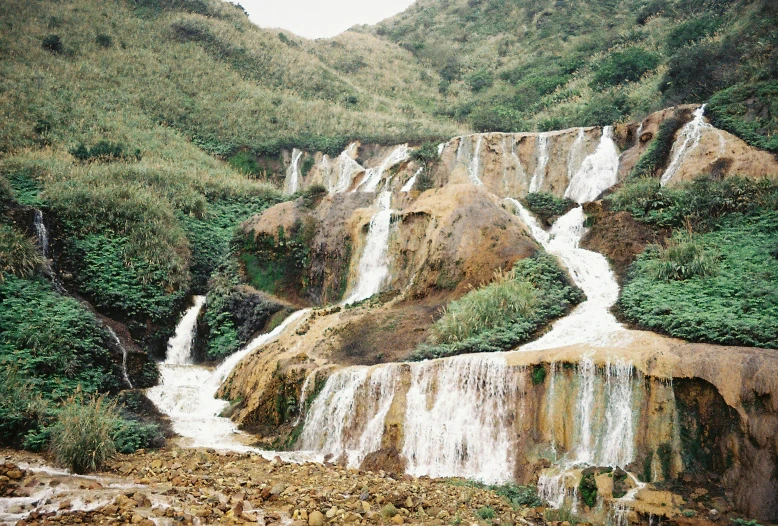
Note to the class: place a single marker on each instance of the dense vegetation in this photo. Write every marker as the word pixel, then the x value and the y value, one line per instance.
pixel 715 279
pixel 517 66
pixel 507 312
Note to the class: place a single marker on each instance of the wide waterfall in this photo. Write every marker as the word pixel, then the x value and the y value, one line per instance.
pixel 373 266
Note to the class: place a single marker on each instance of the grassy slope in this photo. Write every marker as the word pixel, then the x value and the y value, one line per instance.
pixel 509 65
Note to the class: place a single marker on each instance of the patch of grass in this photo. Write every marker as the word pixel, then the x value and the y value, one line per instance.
pixel 657 154
pixel 546 206
pixel 682 258
pixel 749 111
pixel 486 512
pixel 624 66
pixel 738 305
pixel 505 313
pixel 19 254
pixel 81 438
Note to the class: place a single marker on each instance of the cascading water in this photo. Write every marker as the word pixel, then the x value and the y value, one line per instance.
pixel 179 348
pixel 475 163
pixel 374 176
pixel 349 168
pixel 123 350
pixel 539 175
pixel 41 233
pixel 463 431
pixel 574 160
pixel 293 174
pixel 598 172
pixel 590 322
pixel 373 266
pixel 408 186
pixel 687 141
pixel 186 393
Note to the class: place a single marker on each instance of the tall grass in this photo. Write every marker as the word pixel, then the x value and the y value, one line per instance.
pixel 494 305
pixel 19 254
pixel 82 439
pixel 684 257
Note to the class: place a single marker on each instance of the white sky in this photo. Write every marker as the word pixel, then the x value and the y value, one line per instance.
pixel 320 18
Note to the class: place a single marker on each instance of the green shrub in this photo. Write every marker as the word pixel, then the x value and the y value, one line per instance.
pixel 20 407
pixel 19 254
pixel 744 522
pixel 81 438
pixel 103 151
pixel 738 305
pixel 749 111
pixel 503 314
pixel 538 375
pixel 486 512
pixel 682 258
pixel 587 489
pixel 692 31
pixel 625 66
pixel 657 154
pixel 103 40
pixel 130 435
pixel 696 72
pixel 547 206
pixel 52 43
pixel 480 80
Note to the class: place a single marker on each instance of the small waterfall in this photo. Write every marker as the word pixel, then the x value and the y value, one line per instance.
pixel 179 348
pixel 374 176
pixel 349 168
pixel 407 187
pixel 575 153
pixel 638 133
pixel 457 415
pixel 187 395
pixel 347 418
pixel 689 139
pixel 475 163
pixel 539 175
pixel 590 322
pixel 119 345
pixel 441 147
pixel 41 233
pixel 293 174
pixel 618 442
pixel 587 374
pixel 373 266
pixel 309 380
pixel 598 172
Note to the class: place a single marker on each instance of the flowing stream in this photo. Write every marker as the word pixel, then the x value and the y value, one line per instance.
pixel 598 172
pixel 293 175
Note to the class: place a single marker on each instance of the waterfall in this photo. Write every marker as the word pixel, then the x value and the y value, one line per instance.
pixel 590 322
pixel 598 172
pixel 117 342
pixel 373 176
pixel 348 169
pixel 573 156
pixel 618 442
pixel 179 348
pixel 689 139
pixel 373 266
pixel 441 147
pixel 41 233
pixel 638 133
pixel 332 426
pixel 475 163
pixel 293 174
pixel 457 418
pixel 587 373
pixel 187 395
pixel 540 168
pixel 407 187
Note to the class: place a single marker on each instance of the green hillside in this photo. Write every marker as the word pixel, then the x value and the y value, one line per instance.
pixel 513 65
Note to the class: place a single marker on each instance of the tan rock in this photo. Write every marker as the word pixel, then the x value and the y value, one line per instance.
pixel 315 518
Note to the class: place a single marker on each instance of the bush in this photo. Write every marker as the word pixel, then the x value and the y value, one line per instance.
pixel 130 436
pixel 541 291
pixel 587 489
pixel 495 305
pixel 480 80
pixel 486 513
pixel 20 407
pixel 104 151
pixel 19 254
pixel 52 43
pixel 696 72
pixel 103 40
pixel 749 111
pixel 81 438
pixel 682 258
pixel 658 152
pixel 625 66
pixel 546 206
pixel 692 31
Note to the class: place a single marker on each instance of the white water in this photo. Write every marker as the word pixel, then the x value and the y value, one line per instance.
pixel 41 233
pixel 574 160
pixel 590 322
pixel 598 172
pixel 187 395
pixel 179 347
pixel 539 175
pixel 373 268
pixel 293 174
pixel 349 168
pixel 474 168
pixel 118 344
pixel 373 176
pixel 687 141
pixel 408 186
pixel 457 415
pixel 470 158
